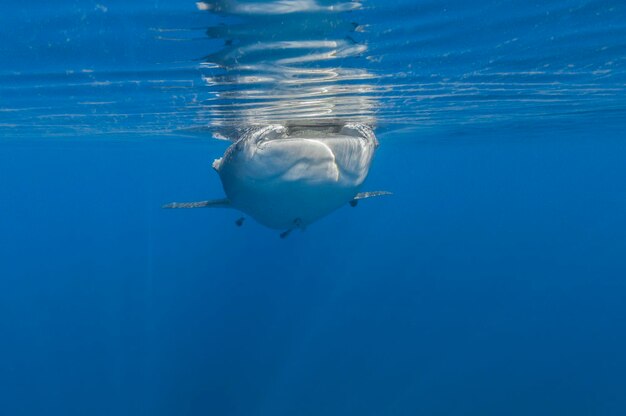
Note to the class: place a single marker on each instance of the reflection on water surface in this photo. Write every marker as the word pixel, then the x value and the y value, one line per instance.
pixel 287 62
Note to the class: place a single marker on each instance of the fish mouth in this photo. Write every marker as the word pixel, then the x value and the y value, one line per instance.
pixel 319 126
pixel 318 131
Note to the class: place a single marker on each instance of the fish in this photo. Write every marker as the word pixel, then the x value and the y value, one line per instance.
pixel 288 177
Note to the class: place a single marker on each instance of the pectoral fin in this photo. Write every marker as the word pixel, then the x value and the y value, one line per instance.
pixel 214 203
pixel 363 195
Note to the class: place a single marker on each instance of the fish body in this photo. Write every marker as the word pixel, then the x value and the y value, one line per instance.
pixel 289 179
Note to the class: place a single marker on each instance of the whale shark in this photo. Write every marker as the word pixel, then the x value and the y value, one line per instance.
pixel 287 177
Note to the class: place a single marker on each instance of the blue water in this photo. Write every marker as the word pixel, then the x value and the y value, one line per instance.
pixel 492 282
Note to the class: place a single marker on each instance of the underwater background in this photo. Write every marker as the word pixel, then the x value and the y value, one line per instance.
pixel 492 282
